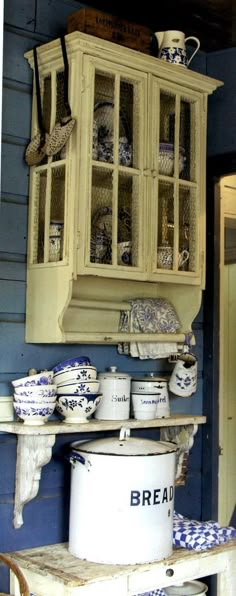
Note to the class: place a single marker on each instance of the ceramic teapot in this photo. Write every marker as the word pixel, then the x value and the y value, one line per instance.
pixel 172 47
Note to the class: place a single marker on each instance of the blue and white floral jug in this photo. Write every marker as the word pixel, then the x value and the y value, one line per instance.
pixel 172 47
pixel 183 380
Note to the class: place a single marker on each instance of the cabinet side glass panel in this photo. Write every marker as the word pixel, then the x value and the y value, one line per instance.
pixel 46 93
pixel 52 225
pixel 54 115
pixel 39 194
pixel 60 90
pixel 60 111
pixel 47 102
pixel 188 229
pixel 57 214
pixel 101 216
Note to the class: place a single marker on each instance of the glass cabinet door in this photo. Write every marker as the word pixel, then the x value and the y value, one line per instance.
pixel 176 184
pixel 48 181
pixel 115 236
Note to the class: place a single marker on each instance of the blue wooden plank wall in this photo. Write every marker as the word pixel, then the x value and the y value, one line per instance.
pixel 222 105
pixel 46 517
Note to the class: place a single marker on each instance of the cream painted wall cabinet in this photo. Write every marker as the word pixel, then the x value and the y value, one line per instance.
pixel 127 192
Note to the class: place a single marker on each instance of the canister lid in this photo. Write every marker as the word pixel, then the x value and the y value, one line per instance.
pixel 193 588
pixel 150 377
pixel 125 445
pixel 113 373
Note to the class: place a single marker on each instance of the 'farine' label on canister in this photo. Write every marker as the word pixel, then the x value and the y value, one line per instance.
pixel 156 496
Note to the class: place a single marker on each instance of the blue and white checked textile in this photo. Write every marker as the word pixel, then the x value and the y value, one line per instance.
pixel 196 535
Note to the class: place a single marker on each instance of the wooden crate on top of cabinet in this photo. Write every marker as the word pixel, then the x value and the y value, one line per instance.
pixel 110 27
pixel 128 192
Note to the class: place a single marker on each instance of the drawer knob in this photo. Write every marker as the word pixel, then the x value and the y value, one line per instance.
pixel 170 572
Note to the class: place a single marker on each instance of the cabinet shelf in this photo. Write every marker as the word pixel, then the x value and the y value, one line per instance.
pixel 53 570
pixel 34 447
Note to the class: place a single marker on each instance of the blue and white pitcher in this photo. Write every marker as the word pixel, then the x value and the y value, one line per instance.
pixel 172 47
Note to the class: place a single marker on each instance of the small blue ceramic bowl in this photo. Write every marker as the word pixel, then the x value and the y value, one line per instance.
pixel 78 408
pixel 79 387
pixel 42 378
pixel 71 362
pixel 32 414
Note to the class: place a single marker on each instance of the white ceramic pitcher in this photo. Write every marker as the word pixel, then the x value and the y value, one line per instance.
pixel 172 47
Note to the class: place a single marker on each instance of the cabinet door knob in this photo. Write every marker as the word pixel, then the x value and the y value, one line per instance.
pixel 154 173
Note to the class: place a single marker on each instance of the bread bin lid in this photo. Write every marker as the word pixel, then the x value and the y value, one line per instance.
pixel 113 373
pixel 193 588
pixel 125 445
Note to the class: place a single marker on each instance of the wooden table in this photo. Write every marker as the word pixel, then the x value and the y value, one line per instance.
pixel 53 571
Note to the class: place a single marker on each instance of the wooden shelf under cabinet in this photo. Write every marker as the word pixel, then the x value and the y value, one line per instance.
pixel 34 447
pixel 60 428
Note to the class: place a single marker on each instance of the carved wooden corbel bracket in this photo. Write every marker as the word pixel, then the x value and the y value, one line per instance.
pixel 183 436
pixel 33 452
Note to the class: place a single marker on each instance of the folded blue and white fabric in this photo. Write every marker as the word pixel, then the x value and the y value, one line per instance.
pixel 196 535
pixel 149 315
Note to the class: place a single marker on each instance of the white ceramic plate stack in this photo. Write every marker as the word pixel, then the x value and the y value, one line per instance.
pixel 34 398
pixel 77 389
pixel 193 588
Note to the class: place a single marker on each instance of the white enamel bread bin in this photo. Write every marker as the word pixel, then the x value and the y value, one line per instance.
pixel 122 500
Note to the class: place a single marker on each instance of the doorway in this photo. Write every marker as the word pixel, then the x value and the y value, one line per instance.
pixel 226 189
pixel 219 168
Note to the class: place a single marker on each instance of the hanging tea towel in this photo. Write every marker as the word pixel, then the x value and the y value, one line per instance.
pixel 196 535
pixel 150 315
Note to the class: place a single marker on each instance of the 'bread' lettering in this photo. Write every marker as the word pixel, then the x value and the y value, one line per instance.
pixel 157 496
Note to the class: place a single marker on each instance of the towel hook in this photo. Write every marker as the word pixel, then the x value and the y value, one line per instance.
pixel 187 342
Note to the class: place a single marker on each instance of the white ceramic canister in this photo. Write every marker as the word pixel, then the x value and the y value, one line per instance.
pixel 193 588
pixel 122 500
pixel 159 386
pixel 144 405
pixel 115 387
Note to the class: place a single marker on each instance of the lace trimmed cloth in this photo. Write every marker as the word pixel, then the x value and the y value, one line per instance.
pixel 196 535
